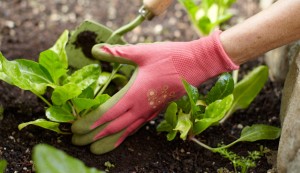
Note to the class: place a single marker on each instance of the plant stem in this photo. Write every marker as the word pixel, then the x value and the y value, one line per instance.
pixel 235 74
pixel 228 114
pixel 202 144
pixel 115 70
pixel 42 98
pixel 100 91
pixel 74 112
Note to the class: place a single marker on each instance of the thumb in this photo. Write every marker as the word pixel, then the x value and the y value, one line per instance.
pixel 123 54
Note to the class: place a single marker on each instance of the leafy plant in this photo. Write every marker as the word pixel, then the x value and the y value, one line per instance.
pixel 73 93
pixel 207 15
pixel 3 165
pixel 48 159
pixel 193 114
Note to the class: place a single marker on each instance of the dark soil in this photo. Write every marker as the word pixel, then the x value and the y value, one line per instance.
pixel 28 27
pixel 86 40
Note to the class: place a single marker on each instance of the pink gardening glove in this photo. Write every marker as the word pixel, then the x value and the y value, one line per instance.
pixel 156 81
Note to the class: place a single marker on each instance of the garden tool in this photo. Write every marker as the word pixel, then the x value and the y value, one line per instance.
pixel 89 33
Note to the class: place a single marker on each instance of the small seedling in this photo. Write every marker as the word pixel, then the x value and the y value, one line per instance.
pixel 108 166
pixel 193 114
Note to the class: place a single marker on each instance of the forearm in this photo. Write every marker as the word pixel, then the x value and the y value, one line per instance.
pixel 269 29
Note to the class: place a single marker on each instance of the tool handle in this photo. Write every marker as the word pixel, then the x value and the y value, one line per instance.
pixel 157 6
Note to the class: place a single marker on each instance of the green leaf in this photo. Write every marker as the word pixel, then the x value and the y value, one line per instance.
pixel 51 61
pixel 184 104
pixel 118 78
pixel 3 76
pixel 223 87
pixel 223 18
pixel 259 132
pixel 171 135
pixel 213 114
pixel 3 165
pixel 87 93
pixel 170 114
pixel 102 98
pixel 59 48
pixel 164 126
pixel 27 75
pixel 60 114
pixel 206 4
pixel 61 94
pixel 191 91
pixel 85 76
pixel 190 7
pixel 84 103
pixel 193 95
pixel 247 89
pixel 44 124
pixel 256 132
pixel 48 159
pixel 205 25
pixel 184 125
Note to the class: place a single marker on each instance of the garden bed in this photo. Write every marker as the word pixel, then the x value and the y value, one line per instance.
pixel 31 26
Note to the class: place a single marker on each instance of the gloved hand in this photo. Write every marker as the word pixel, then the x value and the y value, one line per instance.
pixel 155 82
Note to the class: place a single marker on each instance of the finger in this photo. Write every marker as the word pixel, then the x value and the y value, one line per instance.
pixel 117 125
pixel 111 142
pixel 121 107
pixel 85 139
pixel 127 54
pixel 111 109
pixel 130 130
pixel 106 144
pixel 102 52
pixel 133 128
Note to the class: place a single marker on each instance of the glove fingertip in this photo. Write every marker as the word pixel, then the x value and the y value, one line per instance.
pixel 109 53
pixel 106 144
pixel 80 127
pixel 100 51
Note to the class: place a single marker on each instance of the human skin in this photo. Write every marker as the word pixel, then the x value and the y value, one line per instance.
pixel 274 27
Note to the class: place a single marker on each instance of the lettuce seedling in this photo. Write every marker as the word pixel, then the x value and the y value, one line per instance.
pixel 193 114
pixel 190 116
pixel 208 15
pixel 73 93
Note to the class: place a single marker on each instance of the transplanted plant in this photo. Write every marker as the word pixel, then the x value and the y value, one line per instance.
pixel 207 15
pixel 193 114
pixel 73 93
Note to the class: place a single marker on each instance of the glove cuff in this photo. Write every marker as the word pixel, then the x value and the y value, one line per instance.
pixel 208 60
